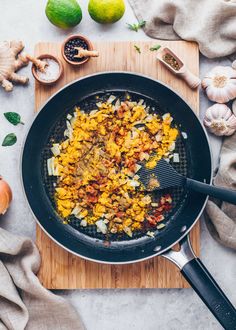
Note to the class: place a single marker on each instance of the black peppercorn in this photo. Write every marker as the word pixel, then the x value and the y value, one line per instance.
pixel 70 50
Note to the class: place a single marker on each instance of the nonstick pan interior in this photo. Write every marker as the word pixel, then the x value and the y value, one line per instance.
pixel 194 154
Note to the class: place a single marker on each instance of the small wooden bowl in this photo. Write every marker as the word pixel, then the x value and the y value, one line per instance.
pixel 76 36
pixel 47 82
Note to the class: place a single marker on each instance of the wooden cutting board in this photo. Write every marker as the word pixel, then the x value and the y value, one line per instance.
pixel 62 270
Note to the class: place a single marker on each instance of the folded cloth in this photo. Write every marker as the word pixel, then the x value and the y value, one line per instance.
pixel 211 23
pixel 221 220
pixel 24 303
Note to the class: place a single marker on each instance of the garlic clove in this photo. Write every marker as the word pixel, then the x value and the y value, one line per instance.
pixel 5 196
pixel 219 120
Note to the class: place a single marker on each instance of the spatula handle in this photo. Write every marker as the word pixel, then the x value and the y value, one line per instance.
pixel 223 194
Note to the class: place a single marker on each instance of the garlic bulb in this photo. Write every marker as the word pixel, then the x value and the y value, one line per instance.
pixel 234 65
pixel 220 84
pixel 5 196
pixel 234 107
pixel 220 120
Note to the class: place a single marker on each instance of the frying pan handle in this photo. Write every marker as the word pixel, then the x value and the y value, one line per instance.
pixel 203 283
pixel 223 194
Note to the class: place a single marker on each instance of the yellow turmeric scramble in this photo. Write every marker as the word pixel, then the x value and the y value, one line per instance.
pixel 97 164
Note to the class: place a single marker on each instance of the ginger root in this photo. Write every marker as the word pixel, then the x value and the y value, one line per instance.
pixel 11 61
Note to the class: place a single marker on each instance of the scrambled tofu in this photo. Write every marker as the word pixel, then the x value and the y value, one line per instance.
pixel 97 162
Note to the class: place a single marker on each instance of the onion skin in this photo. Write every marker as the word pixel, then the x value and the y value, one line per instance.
pixel 5 196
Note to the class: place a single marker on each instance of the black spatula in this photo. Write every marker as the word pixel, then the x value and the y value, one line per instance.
pixel 163 175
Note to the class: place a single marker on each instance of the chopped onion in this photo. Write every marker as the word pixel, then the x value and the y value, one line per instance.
pixel 101 226
pixel 140 102
pixel 56 149
pixel 161 225
pixel 158 137
pixel 99 104
pixel 150 233
pixel 117 104
pixel 149 118
pixel 111 99
pixel 172 146
pixel 93 112
pixel 69 116
pixel 137 167
pixel 184 134
pixel 128 231
pixel 134 134
pixel 76 210
pixel 69 130
pixel 176 158
pixel 83 223
pixel 154 204
pixel 134 183
pixel 49 166
pixel 56 170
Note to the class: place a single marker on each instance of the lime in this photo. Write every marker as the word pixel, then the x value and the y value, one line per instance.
pixel 63 13
pixel 106 11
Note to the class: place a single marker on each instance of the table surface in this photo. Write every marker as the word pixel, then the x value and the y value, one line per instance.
pixel 102 309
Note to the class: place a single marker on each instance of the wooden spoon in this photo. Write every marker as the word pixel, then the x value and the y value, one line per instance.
pixel 179 68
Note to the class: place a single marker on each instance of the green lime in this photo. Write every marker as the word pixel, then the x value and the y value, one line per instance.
pixel 63 13
pixel 106 11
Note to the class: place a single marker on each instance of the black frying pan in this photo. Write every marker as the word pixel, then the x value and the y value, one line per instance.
pixel 188 205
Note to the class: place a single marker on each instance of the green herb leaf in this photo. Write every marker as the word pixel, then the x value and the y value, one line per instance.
pixel 155 47
pixel 137 48
pixel 133 27
pixel 141 23
pixel 9 140
pixel 136 26
pixel 13 117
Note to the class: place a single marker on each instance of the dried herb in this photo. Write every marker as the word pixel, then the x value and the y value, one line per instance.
pixel 169 59
pixel 155 47
pixel 137 26
pixel 13 117
pixel 9 140
pixel 137 48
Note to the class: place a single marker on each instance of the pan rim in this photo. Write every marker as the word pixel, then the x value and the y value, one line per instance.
pixel 35 217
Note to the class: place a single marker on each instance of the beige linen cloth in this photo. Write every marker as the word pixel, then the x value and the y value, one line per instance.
pixel 221 220
pixel 211 23
pixel 24 303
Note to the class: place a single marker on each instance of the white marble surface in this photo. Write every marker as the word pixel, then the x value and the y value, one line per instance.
pixel 101 309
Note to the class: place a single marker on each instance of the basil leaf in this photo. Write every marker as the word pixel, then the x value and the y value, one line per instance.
pixel 9 140
pixel 156 47
pixel 13 117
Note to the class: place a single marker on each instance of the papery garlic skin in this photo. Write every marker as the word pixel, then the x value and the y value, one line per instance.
pixel 220 120
pixel 234 107
pixel 234 65
pixel 220 84
pixel 5 196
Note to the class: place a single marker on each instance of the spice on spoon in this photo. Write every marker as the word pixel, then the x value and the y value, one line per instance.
pixel 171 60
pixel 70 50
